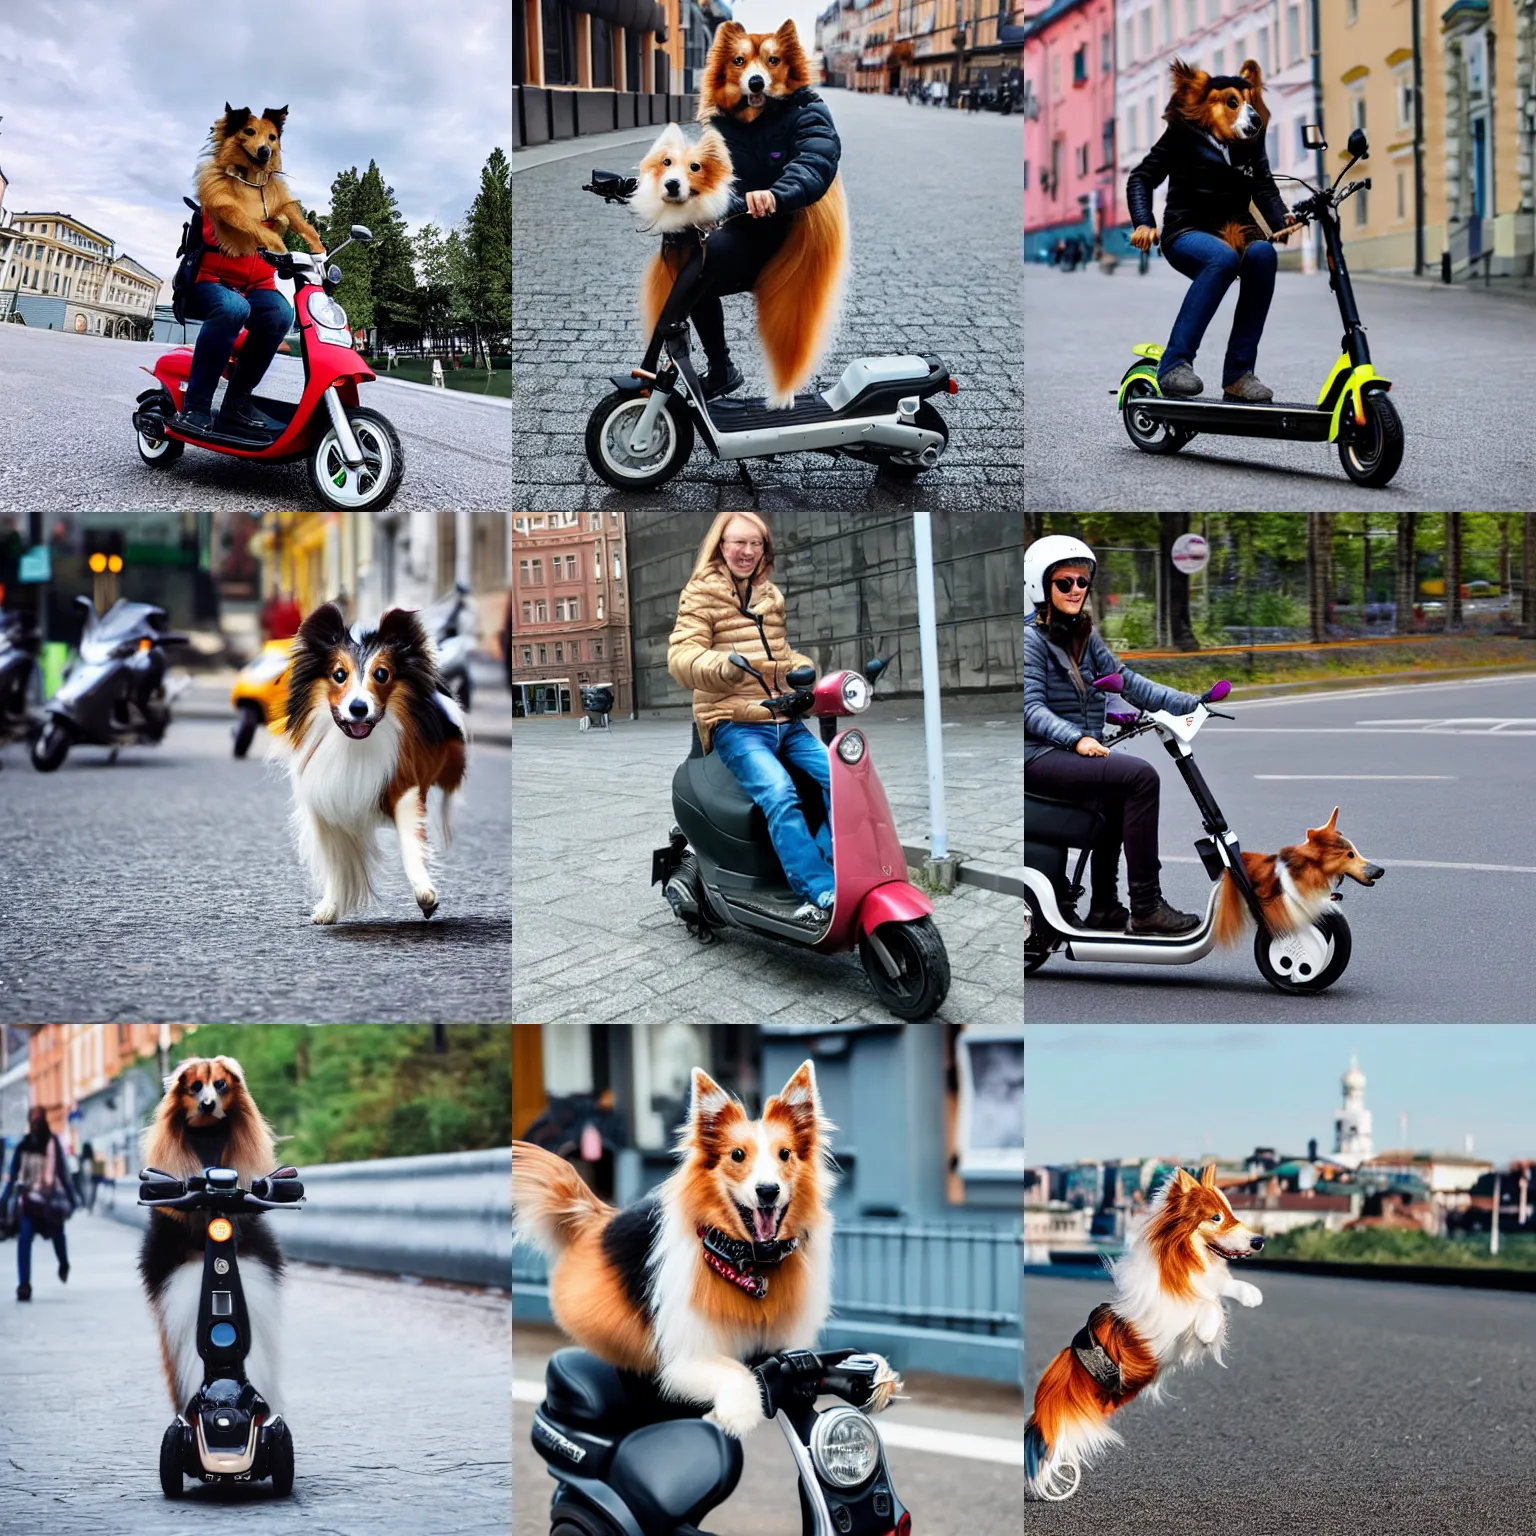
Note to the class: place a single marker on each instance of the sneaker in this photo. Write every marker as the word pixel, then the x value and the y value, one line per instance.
pixel 23 1293
pixel 826 899
pixel 721 381
pixel 1248 388
pixel 809 912
pixel 1180 381
pixel 63 1273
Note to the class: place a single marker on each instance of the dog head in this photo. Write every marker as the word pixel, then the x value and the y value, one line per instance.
pixel 206 1090
pixel 1228 107
pixel 242 140
pixel 756 1179
pixel 1337 856
pixel 360 677
pixel 745 68
pixel 1191 1224
pixel 683 183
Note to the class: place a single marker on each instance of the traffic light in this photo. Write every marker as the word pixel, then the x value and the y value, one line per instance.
pixel 104 551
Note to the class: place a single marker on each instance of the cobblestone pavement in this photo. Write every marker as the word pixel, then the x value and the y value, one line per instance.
pixel 390 1439
pixel 594 942
pixel 933 198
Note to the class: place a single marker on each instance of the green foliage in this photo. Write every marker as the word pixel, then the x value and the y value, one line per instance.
pixel 379 282
pixel 488 247
pixel 1398 1245
pixel 345 1092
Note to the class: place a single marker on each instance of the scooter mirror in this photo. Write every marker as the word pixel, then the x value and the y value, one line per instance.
pixel 1123 721
pixel 1357 145
pixel 1113 682
pixel 1219 691
pixel 1312 137
pixel 362 234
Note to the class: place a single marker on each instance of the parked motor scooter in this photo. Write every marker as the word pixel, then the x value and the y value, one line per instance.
pixel 455 630
pixel 260 694
pixel 597 702
pixel 628 1462
pixel 115 695
pixel 19 645
pixel 719 869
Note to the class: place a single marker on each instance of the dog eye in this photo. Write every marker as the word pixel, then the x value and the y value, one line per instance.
pixel 248 132
pixel 220 1086
pixel 339 675
pixel 739 59
pixel 694 166
pixel 737 1155
pixel 381 674
pixel 784 1155
pixel 774 59
pixel 666 160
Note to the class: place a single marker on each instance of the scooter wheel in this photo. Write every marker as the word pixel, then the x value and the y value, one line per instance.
pixel 50 747
pixel 245 730
pixel 1372 456
pixel 921 982
pixel 608 431
pixel 568 1519
pixel 282 1462
pixel 158 452
pixel 1287 974
pixel 172 1446
pixel 1149 435
pixel 374 484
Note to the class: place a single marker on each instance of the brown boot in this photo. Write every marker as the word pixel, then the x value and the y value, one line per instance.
pixel 1151 916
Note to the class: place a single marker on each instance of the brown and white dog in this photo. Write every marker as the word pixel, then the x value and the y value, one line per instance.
pixel 241 187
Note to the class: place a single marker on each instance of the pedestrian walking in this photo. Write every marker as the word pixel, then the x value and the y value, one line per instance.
pixel 39 1181
pixel 88 1176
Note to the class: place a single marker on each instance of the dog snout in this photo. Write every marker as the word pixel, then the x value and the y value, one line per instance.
pixel 1256 1244
pixel 755 84
pixel 673 185
pixel 264 154
pixel 1374 872
pixel 767 1195
pixel 358 709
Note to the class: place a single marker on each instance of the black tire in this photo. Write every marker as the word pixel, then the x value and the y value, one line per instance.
pixel 163 452
pixel 50 746
pixel 1373 457
pixel 568 1518
pixel 282 1461
pixel 919 953
pixel 929 420
pixel 373 486
pixel 251 720
pixel 1150 436
pixel 609 458
pixel 1283 979
pixel 171 1451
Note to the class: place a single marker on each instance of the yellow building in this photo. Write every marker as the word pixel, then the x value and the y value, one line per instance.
pixel 63 275
pixel 891 45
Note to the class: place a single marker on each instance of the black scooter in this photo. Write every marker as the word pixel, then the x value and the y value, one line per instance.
pixel 19 644
pixel 630 1463
pixel 227 1433
pixel 115 694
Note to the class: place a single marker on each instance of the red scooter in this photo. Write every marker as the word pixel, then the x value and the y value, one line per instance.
pixel 719 869
pixel 354 455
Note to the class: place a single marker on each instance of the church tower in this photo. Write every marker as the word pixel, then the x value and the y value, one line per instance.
pixel 1352 1126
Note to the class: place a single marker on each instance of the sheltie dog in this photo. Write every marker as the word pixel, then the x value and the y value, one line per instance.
pixel 682 185
pixel 208 1119
pixel 1167 1311
pixel 1231 109
pixel 798 293
pixel 1295 885
pixel 240 186
pixel 371 728
pixel 731 1257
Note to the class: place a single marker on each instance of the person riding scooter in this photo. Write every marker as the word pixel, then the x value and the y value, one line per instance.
pixel 1064 757
pixel 731 605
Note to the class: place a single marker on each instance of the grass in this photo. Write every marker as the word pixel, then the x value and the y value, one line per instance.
pixel 418 370
pixel 1393 1245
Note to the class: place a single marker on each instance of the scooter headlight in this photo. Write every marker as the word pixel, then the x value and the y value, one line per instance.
pixel 851 747
pixel 855 693
pixel 324 310
pixel 845 1447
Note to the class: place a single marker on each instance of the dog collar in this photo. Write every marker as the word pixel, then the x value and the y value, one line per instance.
pixel 733 1258
pixel 1092 1355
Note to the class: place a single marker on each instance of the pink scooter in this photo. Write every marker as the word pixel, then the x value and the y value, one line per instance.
pixel 719 869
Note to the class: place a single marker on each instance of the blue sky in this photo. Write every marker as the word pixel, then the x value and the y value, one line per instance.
pixel 1180 1091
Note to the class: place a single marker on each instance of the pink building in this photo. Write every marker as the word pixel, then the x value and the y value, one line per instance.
pixel 1069 121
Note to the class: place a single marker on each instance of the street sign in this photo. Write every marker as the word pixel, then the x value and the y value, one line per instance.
pixel 35 565
pixel 1191 554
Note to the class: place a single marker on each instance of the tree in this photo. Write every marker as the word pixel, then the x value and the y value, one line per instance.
pixel 488 246
pixel 1407 569
pixel 1319 572
pixel 1452 567
pixel 1528 576
pixel 434 278
pixel 378 286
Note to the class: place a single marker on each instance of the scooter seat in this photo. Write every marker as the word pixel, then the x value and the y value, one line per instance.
pixel 671 1474
pixel 1060 823
pixel 588 1393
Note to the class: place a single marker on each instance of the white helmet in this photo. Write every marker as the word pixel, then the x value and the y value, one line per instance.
pixel 1044 555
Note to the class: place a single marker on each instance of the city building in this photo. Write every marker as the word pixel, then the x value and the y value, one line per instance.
pixel 1448 1176
pixel 568 613
pixel 892 45
pixel 59 274
pixel 1352 1125
pixel 15 1088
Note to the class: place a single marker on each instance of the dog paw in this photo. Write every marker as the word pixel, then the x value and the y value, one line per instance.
pixel 1208 1324
pixel 426 899
pixel 738 1407
pixel 1246 1295
pixel 324 914
pixel 886 1387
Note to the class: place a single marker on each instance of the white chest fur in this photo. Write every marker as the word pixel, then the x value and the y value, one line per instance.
pixel 340 780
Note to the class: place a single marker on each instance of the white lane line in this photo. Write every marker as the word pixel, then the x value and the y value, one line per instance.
pixel 1372 778
pixel 1364 730
pixel 1391 864
pixel 1385 690
pixel 906 1437
pixel 1491 722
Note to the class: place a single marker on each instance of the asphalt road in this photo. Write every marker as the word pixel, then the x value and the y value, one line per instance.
pixel 1453 356
pixel 1347 1407
pixel 947 1495
pixel 388 1441
pixel 594 942
pixel 1434 784
pixel 166 888
pixel 67 402
pixel 935 271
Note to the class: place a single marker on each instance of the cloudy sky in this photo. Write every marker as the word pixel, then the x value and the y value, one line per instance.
pixel 107 105
pixel 765 16
pixel 1142 1090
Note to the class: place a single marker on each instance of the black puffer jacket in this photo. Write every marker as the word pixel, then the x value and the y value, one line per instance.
pixel 1204 191
pixel 791 150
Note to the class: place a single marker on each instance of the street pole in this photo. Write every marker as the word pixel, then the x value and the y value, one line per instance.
pixel 928 650
pixel 1317 110
pixel 1493 1234
pixel 1418 142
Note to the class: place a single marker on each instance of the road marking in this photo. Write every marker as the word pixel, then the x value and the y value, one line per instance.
pixel 906 1437
pixel 1373 778
pixel 1391 864
pixel 1384 690
pixel 1486 722
pixel 1365 730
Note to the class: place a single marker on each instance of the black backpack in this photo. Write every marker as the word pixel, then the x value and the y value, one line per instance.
pixel 189 256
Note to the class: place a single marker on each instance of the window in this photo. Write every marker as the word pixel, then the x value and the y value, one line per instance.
pixel 527 655
pixel 541 613
pixel 1351 12
pixel 1146 32
pixel 602 54
pixel 618 648
pixel 1082 160
pixel 1402 206
pixel 1108 157
pixel 597 650
pixel 1128 42
pixel 1357 110
pixel 573 607
pixel 599 610
pixel 618 567
pixel 1055 79
pixel 1056 147
pixel 1165 17
pixel 1080 65
pixel 1361 201
pixel 1212 9
pixel 1263 51
pixel 538 573
pixel 597 562
pixel 522 572
pixel 527 613
pixel 1106 57
pixel 595 521
pixel 1293 33
pixel 543 655
pixel 559 651
pixel 1219 62
pixel 1403 90
pixel 1191 15
pixel 1301 139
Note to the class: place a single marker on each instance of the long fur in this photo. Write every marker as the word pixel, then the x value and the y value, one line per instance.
pixel 245 195
pixel 1294 886
pixel 799 292
pixel 1220 106
pixel 345 787
pixel 1167 1311
pixel 183 1138
pixel 704 168
pixel 632 1286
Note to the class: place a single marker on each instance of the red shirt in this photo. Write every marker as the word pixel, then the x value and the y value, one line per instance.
pixel 242 273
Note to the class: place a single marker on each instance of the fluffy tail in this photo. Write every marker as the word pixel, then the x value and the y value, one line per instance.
pixel 1067 1429
pixel 799 291
pixel 657 284
pixel 1232 915
pixel 551 1206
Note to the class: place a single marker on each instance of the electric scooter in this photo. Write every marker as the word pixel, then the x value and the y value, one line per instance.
pixel 260 694
pixel 642 434
pixel 19 645
pixel 227 1432
pixel 451 623
pixel 630 1463
pixel 1352 408
pixel 719 869
pixel 1306 960
pixel 353 453
pixel 596 702
pixel 115 695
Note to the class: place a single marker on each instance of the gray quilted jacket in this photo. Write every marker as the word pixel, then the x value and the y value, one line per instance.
pixel 1059 705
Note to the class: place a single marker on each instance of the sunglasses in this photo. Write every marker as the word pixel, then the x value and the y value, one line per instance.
pixel 1067 583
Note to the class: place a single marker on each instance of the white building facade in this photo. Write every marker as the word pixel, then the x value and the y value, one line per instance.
pixel 1352 1126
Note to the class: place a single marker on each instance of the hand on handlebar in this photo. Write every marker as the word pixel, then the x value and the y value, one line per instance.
pixel 1144 237
pixel 1088 747
pixel 1289 228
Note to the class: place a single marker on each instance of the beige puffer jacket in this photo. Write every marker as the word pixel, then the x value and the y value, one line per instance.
pixel 710 625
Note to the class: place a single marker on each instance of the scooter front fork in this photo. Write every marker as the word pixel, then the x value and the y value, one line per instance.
pixel 346 439
pixel 645 429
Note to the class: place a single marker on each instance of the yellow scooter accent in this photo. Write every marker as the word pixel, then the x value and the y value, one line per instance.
pixel 260 694
pixel 1354 389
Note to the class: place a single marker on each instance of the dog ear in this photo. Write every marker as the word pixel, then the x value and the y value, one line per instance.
pixel 798 1103
pixel 1331 825
pixel 1182 1179
pixel 234 119
pixel 1208 1176
pixel 710 1109
pixel 1186 77
pixel 788 32
pixel 234 1068
pixel 1251 73
pixel 402 627
pixel 325 628
pixel 277 116
pixel 728 31
pixel 711 146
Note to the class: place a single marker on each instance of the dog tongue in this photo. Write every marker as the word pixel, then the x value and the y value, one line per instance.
pixel 763 1225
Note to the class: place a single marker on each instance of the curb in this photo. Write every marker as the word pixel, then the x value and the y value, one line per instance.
pixel 459 394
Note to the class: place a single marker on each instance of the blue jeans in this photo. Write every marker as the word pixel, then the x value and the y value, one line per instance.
pixel 263 313
pixel 756 754
pixel 24 1248
pixel 1211 265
